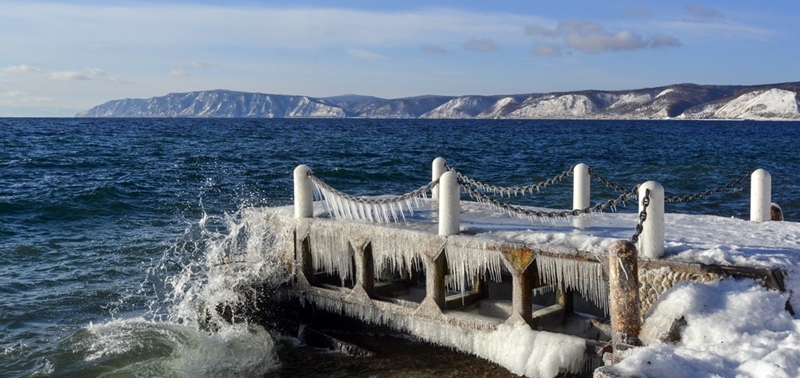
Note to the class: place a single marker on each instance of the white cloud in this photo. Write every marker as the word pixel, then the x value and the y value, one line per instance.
pixel 15 98
pixel 702 14
pixel 481 45
pixel 590 37
pixel 546 49
pixel 88 74
pixel 429 49
pixel 364 54
pixel 21 69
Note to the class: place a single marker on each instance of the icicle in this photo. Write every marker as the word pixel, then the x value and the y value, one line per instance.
pixel 330 250
pixel 468 259
pixel 581 276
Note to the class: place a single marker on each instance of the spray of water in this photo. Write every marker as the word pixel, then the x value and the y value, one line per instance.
pixel 204 290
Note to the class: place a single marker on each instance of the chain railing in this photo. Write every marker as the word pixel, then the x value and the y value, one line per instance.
pixel 691 197
pixel 383 209
pixel 507 191
pixel 522 212
pixel 642 217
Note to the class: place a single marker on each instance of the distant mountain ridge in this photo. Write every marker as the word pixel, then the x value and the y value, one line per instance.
pixel 679 101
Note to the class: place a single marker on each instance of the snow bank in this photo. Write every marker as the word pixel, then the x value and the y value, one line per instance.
pixel 734 328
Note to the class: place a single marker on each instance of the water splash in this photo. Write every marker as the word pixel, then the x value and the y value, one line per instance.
pixel 198 322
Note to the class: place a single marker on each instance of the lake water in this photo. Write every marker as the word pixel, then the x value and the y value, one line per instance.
pixel 107 225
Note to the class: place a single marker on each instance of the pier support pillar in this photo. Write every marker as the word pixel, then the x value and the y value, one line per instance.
pixel 623 280
pixel 449 204
pixel 304 268
pixel 760 195
pixel 564 298
pixel 437 169
pixel 651 240
pixel 434 280
pixel 521 294
pixel 365 269
pixel 303 193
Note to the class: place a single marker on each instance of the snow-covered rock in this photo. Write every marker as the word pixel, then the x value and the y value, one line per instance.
pixel 552 106
pixel 764 104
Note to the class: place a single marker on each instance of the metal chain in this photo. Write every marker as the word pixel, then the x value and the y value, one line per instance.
pixel 692 197
pixel 642 217
pixel 501 190
pixel 373 201
pixel 605 182
pixel 528 213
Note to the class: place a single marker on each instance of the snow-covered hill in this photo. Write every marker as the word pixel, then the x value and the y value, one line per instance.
pixel 679 101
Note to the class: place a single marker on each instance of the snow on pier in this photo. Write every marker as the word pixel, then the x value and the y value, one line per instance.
pixel 530 291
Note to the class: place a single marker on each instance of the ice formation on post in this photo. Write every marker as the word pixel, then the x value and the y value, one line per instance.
pixel 582 276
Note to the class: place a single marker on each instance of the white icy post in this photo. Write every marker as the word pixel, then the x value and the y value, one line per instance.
pixel 651 241
pixel 449 204
pixel 580 186
pixel 303 193
pixel 437 169
pixel 580 194
pixel 760 195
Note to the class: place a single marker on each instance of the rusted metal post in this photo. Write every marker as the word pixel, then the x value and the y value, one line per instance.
pixel 365 269
pixel 760 195
pixel 303 193
pixel 623 279
pixel 521 293
pixel 437 169
pixel 434 279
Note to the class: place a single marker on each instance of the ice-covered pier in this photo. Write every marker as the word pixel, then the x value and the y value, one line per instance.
pixel 538 291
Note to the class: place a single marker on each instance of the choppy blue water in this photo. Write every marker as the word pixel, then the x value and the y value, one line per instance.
pixel 102 220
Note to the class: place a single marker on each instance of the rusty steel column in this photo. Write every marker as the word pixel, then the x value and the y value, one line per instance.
pixel 623 276
pixel 365 269
pixel 521 293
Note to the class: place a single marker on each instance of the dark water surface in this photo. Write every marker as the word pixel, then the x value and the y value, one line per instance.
pixel 106 225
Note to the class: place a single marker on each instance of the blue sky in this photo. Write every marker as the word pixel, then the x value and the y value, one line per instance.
pixel 58 58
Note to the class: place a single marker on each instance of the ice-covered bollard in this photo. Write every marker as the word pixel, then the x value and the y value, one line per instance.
pixel 303 193
pixel 449 204
pixel 760 195
pixel 580 186
pixel 623 281
pixel 651 240
pixel 437 169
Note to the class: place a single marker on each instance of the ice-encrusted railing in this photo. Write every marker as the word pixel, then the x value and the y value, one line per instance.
pixel 649 230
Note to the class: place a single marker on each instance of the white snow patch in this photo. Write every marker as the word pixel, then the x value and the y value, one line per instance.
pixel 772 103
pixel 568 106
pixel 734 328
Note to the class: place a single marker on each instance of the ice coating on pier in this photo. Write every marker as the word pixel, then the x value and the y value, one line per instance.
pixel 330 250
pixel 468 261
pixel 520 349
pixel 583 277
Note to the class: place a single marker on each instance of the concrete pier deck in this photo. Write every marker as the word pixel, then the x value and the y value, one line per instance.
pixel 523 287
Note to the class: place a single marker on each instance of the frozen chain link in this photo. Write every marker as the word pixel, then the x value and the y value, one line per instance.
pixel 692 197
pixel 642 217
pixel 417 193
pixel 528 213
pixel 605 182
pixel 502 190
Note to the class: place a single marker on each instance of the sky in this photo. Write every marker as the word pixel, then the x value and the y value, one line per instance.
pixel 59 58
